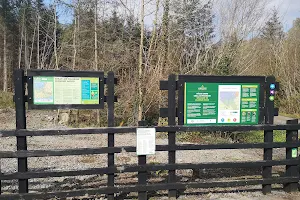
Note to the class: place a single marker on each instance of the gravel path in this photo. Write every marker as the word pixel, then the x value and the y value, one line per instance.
pixel 46 120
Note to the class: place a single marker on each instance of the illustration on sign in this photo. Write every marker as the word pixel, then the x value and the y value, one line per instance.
pixel 65 90
pixel 220 103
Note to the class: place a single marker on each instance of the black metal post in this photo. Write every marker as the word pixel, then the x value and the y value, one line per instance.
pixel 292 153
pixel 19 81
pixel 268 135
pixel 142 176
pixel 171 135
pixel 111 123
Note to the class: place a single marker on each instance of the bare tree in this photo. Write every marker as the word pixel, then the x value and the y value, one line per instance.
pixel 140 68
pixel 38 39
pixel 55 35
pixel 5 66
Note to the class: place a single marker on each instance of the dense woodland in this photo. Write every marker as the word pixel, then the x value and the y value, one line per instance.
pixel 220 37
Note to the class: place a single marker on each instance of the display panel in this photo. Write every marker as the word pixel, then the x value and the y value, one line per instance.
pixel 221 103
pixel 55 89
pixel 65 90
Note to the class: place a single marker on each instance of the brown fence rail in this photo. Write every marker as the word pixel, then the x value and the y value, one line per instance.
pixel 289 180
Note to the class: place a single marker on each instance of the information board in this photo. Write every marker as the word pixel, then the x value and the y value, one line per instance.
pixel 221 103
pixel 65 90
pixel 58 89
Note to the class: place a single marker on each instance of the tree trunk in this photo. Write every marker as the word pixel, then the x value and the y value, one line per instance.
pixel 26 57
pixel 55 35
pixel 31 50
pixel 5 74
pixel 140 69
pixel 165 33
pixel 75 54
pixel 38 41
pixel 96 49
pixel 55 51
pixel 21 43
pixel 74 42
pixel 154 30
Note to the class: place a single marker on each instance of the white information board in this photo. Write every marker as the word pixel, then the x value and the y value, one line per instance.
pixel 145 141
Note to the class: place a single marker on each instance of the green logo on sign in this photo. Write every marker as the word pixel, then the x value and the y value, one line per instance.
pixel 202 88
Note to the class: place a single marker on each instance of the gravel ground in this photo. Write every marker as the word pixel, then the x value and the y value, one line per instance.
pixel 46 120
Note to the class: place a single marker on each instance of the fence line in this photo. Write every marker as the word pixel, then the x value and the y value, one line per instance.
pixel 290 180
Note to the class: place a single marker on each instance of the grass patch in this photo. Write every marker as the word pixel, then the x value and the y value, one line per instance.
pixel 258 136
pixel 297 116
pixel 6 100
pixel 202 138
pixel 221 138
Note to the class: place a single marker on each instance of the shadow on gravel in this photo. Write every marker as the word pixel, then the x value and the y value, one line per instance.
pixel 100 181
pixel 226 173
pixel 210 191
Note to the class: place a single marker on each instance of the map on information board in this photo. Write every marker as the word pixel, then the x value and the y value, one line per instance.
pixel 65 90
pixel 220 103
pixel 43 89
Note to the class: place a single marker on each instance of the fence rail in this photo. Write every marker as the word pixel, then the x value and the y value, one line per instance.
pixel 175 128
pixel 289 180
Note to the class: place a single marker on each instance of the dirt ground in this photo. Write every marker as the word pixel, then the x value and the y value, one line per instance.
pixel 46 120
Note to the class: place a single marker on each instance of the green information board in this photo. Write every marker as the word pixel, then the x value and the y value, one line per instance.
pixel 50 90
pixel 221 103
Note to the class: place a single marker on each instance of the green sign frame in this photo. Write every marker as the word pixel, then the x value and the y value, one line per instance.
pixel 54 89
pixel 216 100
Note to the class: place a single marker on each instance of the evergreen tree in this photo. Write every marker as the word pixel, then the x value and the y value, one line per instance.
pixel 273 29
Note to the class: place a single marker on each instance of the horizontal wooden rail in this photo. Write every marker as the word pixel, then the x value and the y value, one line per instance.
pixel 105 150
pixel 55 132
pixel 153 187
pixel 148 167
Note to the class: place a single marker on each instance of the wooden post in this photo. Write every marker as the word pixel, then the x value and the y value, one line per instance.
pixel 268 135
pixel 111 123
pixel 19 81
pixel 292 153
pixel 171 135
pixel 142 176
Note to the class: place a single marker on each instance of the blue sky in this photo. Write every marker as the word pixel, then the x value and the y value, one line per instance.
pixel 289 10
pixel 64 14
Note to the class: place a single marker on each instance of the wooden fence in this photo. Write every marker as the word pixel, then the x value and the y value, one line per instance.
pixel 289 179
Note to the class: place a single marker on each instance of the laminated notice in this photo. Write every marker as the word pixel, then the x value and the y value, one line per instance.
pixel 145 138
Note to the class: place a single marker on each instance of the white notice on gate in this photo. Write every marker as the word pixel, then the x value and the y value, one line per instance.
pixel 145 141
